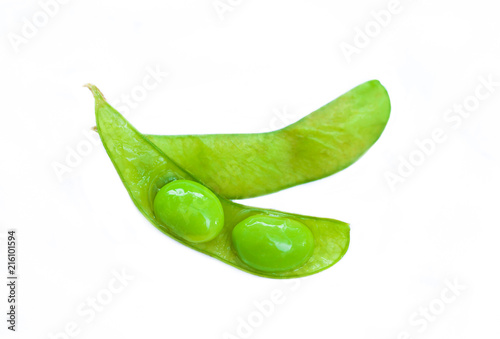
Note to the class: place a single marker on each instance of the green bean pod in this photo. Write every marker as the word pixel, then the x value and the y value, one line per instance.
pixel 297 245
pixel 328 140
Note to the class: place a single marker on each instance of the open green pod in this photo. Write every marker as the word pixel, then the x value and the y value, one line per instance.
pixel 144 169
pixel 328 140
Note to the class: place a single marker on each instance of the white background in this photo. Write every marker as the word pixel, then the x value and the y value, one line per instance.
pixel 240 71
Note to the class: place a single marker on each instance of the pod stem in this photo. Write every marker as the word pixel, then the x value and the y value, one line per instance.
pixel 98 96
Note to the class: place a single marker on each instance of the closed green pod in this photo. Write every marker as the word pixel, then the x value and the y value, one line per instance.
pixel 238 166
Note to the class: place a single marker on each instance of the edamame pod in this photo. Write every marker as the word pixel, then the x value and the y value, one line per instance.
pixel 144 170
pixel 239 166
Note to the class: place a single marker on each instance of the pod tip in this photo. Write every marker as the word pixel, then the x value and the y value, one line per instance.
pixel 95 91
